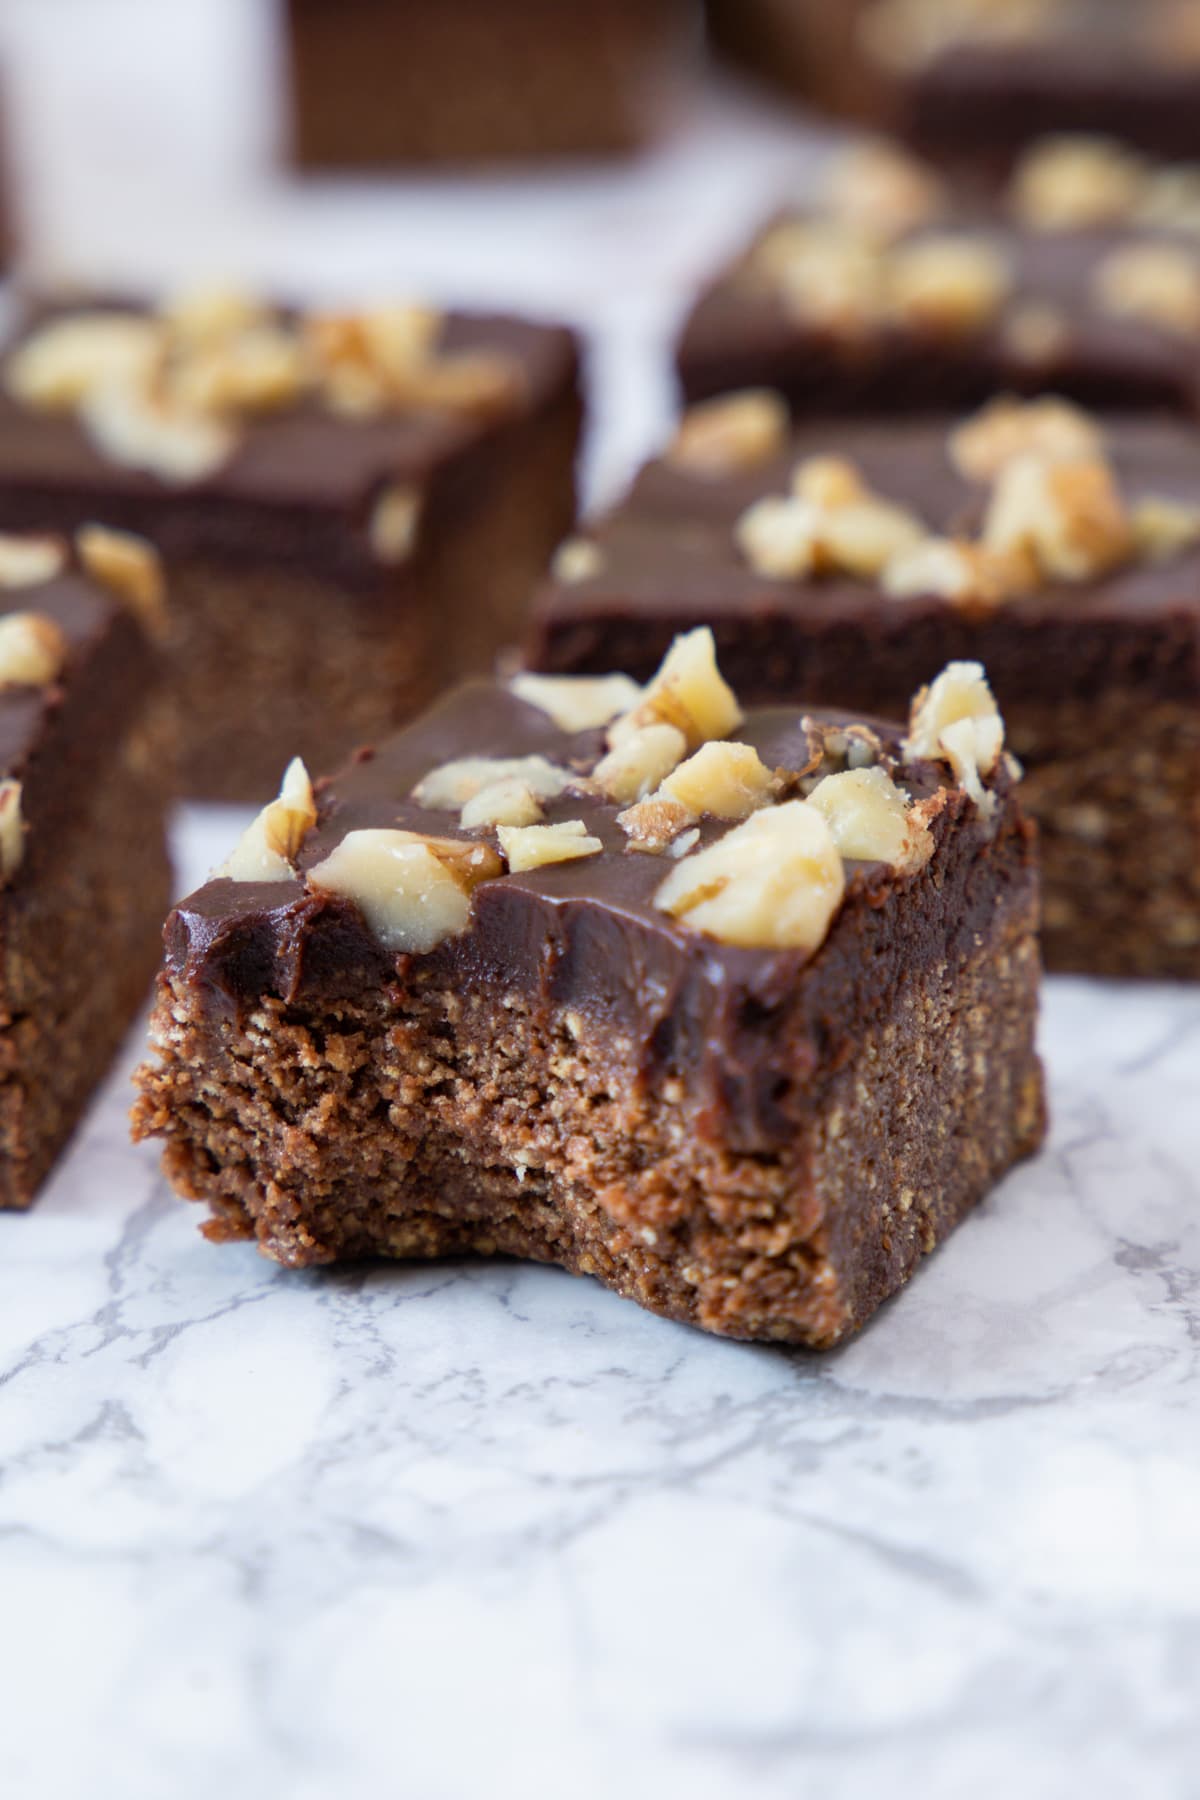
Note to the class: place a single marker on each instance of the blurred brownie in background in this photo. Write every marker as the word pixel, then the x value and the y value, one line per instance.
pixel 375 84
pixel 351 506
pixel 974 80
pixel 85 777
pixel 899 292
pixel 839 563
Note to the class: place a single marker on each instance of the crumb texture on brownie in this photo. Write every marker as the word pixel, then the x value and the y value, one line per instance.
pixel 634 1054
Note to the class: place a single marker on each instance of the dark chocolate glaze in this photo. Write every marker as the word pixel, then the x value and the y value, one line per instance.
pixel 670 561
pixel 586 934
pixel 740 334
pixel 300 484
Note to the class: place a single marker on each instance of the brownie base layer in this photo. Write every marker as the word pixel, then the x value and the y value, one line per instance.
pixel 269 662
pixel 437 1121
pixel 80 947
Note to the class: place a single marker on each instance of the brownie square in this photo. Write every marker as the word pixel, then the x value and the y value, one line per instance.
pixel 896 292
pixel 351 506
pixel 85 772
pixel 973 81
pixel 1062 553
pixel 735 1013
pixel 374 84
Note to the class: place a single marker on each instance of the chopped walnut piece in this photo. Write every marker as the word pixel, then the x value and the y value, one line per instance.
pixel 948 284
pixel 834 747
pixel 688 692
pixel 452 784
pixel 1036 332
pixel 828 482
pixel 1006 428
pixel 871 819
pixel 1156 283
pixel 536 846
pixel 267 849
pixel 970 575
pixel 202 317
pixel 395 521
pixel 577 559
pixel 1069 182
pixel 130 567
pixel 1068 516
pixel 636 765
pixel 33 650
pixel 656 823
pixel 261 370
pixel 1163 528
pixel 12 828
pixel 828 275
pixel 734 431
pixel 480 382
pixel 578 702
pixel 784 538
pixel 777 538
pixel 882 188
pixel 28 561
pixel 955 719
pixel 65 360
pixel 143 432
pixel 395 335
pixel 509 801
pixel 413 891
pixel 726 780
pixel 773 882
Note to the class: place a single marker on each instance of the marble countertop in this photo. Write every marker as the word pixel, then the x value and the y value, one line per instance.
pixel 467 1531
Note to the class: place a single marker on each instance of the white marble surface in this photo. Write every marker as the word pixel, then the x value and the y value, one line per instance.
pixel 465 1531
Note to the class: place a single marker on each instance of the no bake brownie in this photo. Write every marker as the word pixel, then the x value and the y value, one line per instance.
pixel 972 81
pixel 734 1013
pixel 85 769
pixel 351 506
pixel 374 84
pixel 896 292
pixel 836 563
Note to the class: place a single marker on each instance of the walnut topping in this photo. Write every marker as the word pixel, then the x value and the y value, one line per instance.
pixel 12 829
pixel 259 370
pixel 452 784
pixel 773 882
pixel 577 559
pixel 143 431
pixel 871 819
pixel 578 702
pixel 509 801
pixel 1068 516
pixel 1036 332
pixel 1156 283
pixel 948 284
pixel 33 650
pixel 129 567
pixel 828 482
pixel 955 719
pixel 726 780
pixel 639 762
pixel 395 520
pixel 734 431
pixel 833 524
pixel 955 569
pixel 656 824
pixel 880 187
pixel 535 846
pixel 1007 428
pixel 688 692
pixel 28 561
pixel 827 274
pixel 413 891
pixel 835 747
pixel 1164 528
pixel 202 317
pixel 268 848
pixel 1069 183
pixel 65 360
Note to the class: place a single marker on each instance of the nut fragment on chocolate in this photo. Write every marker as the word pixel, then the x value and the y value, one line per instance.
pixel 12 828
pixel 952 284
pixel 983 446
pixel 33 650
pixel 452 784
pixel 773 882
pixel 66 360
pixel 128 566
pixel 537 846
pixel 640 761
pixel 508 801
pixel 657 823
pixel 395 519
pixel 577 559
pixel 143 431
pixel 968 574
pixel 1156 283
pixel 268 847
pixel 832 524
pixel 1069 183
pixel 413 891
pixel 736 431
pixel 26 561
pixel 1068 516
pixel 688 691
pixel 1164 528
pixel 955 719
pixel 872 819
pixel 880 187
pixel 724 780
pixel 578 702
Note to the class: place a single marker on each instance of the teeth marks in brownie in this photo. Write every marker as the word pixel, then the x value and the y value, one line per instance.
pixel 24 561
pixel 413 891
pixel 734 431
pixel 166 391
pixel 12 828
pixel 955 719
pixel 268 847
pixel 578 702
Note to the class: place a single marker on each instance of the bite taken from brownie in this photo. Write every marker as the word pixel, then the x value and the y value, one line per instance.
pixel 351 504
pixel 733 1011
pixel 86 771
pixel 837 563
